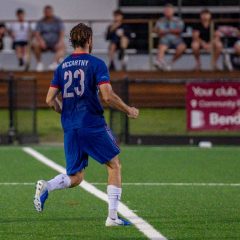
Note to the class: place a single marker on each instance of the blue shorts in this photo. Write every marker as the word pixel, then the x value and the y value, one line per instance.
pixel 99 143
pixel 171 41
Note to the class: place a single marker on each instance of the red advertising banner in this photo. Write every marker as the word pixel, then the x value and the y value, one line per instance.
pixel 213 106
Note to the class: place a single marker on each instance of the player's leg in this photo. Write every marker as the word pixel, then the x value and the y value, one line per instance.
pixel 114 191
pixel 114 172
pixel 61 181
pixel 114 188
pixel 100 144
pixel 76 161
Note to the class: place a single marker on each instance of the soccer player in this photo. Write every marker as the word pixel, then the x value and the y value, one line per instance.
pixel 79 78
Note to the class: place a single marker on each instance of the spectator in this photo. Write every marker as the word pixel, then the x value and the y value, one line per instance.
pixel 202 39
pixel 2 34
pixel 119 35
pixel 49 37
pixel 20 33
pixel 235 57
pixel 169 29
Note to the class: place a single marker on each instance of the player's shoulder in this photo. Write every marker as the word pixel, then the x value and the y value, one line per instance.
pixel 96 60
pixel 60 66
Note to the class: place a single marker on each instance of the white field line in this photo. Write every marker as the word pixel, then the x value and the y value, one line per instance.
pixel 141 184
pixel 17 183
pixel 140 224
pixel 177 184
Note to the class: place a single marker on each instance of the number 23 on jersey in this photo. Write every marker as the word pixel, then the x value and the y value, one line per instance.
pixel 69 77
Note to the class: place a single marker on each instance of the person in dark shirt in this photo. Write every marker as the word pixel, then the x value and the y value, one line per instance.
pixel 202 39
pixel 119 35
pixel 2 33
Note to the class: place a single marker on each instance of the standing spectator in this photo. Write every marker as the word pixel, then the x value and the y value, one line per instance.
pixel 20 33
pixel 49 37
pixel 118 34
pixel 169 29
pixel 202 39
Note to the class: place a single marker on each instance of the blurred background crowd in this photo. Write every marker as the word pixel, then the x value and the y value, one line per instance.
pixel 168 33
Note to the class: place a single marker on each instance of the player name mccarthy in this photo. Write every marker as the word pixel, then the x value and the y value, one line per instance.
pixel 82 63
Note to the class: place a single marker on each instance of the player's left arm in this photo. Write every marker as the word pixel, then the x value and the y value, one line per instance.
pixel 53 101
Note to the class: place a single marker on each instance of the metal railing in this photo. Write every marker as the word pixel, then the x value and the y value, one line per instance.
pixel 99 30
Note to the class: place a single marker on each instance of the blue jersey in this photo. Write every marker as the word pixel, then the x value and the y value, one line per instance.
pixel 78 78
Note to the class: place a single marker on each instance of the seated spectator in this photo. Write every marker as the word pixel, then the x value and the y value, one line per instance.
pixel 49 37
pixel 20 33
pixel 235 57
pixel 169 29
pixel 119 35
pixel 202 39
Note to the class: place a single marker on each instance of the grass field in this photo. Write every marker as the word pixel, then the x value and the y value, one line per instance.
pixel 177 211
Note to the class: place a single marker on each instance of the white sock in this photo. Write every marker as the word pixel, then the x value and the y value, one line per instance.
pixel 61 181
pixel 114 196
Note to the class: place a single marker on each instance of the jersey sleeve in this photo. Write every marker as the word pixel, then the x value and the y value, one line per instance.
pixel 55 83
pixel 102 74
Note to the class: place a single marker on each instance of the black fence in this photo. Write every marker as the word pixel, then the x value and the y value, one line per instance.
pixel 161 123
pixel 18 115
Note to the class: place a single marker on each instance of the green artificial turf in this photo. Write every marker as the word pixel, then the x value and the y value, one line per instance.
pixel 69 214
pixel 178 212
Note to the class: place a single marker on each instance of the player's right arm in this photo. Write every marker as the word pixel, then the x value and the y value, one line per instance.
pixel 114 101
pixel 53 101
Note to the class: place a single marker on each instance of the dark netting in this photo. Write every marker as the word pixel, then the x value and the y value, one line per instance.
pixel 18 109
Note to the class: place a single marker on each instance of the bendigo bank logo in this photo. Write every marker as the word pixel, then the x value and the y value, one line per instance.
pixel 197 119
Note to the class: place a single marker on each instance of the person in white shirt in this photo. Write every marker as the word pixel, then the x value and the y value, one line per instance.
pixel 20 33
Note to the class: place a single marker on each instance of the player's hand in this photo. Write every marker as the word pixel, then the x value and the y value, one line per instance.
pixel 133 112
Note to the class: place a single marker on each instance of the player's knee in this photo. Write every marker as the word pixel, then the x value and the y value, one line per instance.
pixel 114 164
